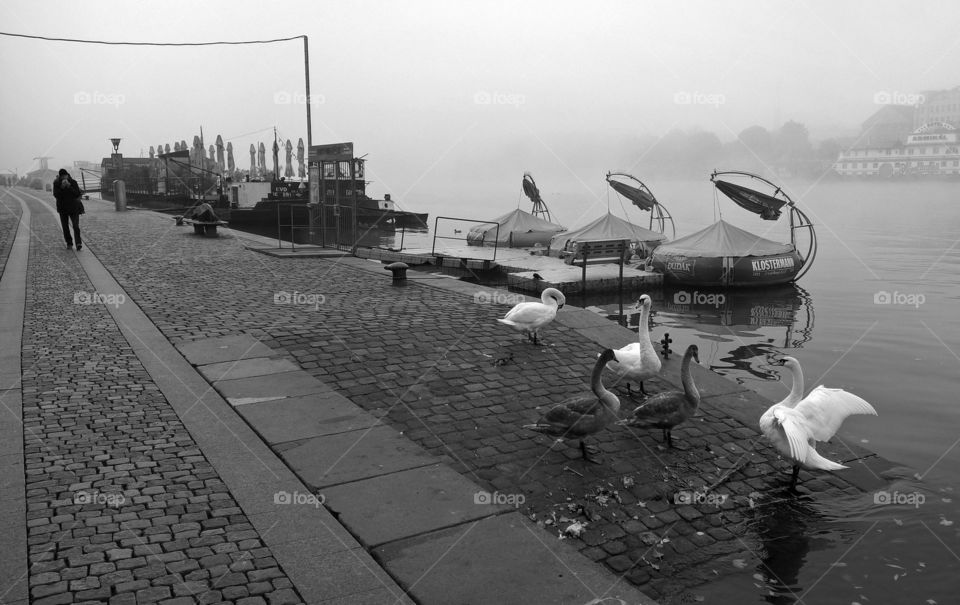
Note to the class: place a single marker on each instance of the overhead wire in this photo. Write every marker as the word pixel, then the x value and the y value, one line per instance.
pixel 124 43
pixel 118 43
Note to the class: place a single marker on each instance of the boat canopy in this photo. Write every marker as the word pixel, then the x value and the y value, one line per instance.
pixel 766 206
pixel 608 226
pixel 722 239
pixel 517 228
pixel 640 198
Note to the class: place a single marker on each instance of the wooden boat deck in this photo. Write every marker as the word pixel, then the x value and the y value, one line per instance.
pixel 520 265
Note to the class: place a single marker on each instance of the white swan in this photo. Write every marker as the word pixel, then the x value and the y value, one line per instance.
pixel 638 360
pixel 529 317
pixel 582 416
pixel 795 425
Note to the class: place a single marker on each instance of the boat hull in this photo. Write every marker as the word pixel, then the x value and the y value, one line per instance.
pixel 517 239
pixel 263 219
pixel 728 271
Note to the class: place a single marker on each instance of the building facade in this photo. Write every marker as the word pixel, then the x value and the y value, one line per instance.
pixel 931 150
pixel 938 106
pixel 908 141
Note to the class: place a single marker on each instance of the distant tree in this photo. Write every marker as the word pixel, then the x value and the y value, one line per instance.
pixel 665 154
pixel 680 153
pixel 704 151
pixel 828 150
pixel 793 142
pixel 758 142
pixel 692 154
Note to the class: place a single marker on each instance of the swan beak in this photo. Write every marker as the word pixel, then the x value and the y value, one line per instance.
pixel 696 357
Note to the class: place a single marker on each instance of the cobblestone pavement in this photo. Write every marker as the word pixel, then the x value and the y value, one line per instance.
pixel 122 507
pixel 439 367
pixel 9 220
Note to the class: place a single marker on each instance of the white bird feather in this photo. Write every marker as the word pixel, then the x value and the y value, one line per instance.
pixel 794 426
pixel 529 317
pixel 638 361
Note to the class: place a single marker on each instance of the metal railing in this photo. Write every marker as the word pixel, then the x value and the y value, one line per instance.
pixel 433 248
pixel 313 227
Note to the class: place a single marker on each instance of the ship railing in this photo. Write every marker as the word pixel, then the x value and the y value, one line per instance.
pixel 433 249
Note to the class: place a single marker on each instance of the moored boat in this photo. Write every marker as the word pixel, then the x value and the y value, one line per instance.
pixel 342 211
pixel 517 228
pixel 723 255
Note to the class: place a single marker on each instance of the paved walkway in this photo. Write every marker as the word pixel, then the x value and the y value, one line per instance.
pixel 122 504
pixel 400 408
pixel 143 484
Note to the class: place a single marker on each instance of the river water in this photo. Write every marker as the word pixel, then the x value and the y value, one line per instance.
pixel 878 315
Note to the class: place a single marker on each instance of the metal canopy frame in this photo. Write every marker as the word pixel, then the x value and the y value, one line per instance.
pixel 658 214
pixel 798 219
pixel 530 189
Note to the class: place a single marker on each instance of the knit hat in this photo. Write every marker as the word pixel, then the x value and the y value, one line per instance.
pixel 63 171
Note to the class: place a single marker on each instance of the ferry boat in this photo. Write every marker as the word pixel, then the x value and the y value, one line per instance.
pixel 338 190
pixel 933 150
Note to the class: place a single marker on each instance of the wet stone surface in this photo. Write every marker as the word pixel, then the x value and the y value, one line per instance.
pixel 9 220
pixel 437 366
pixel 122 507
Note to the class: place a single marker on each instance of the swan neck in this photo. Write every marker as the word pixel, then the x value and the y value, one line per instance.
pixel 686 377
pixel 643 330
pixel 796 391
pixel 608 399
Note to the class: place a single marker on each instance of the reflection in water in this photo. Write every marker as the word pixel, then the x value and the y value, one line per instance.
pixel 789 530
pixel 785 536
pixel 757 322
pixel 393 240
pixel 886 546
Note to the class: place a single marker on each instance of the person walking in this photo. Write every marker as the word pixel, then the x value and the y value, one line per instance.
pixel 69 206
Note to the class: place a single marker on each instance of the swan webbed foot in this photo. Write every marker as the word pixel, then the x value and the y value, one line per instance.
pixel 590 453
pixel 643 391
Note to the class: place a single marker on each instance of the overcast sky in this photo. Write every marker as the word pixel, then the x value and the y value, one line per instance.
pixel 439 93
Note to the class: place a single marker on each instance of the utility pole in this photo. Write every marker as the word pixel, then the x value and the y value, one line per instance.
pixel 306 73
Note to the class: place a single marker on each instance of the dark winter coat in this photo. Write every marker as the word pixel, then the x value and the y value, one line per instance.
pixel 68 198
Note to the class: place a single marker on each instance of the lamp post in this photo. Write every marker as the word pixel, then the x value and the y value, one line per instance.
pixel 119 187
pixel 117 157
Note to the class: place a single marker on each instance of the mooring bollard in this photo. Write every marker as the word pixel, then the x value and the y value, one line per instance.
pixel 665 343
pixel 120 195
pixel 399 273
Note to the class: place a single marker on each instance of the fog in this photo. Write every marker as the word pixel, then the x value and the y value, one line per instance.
pixel 455 100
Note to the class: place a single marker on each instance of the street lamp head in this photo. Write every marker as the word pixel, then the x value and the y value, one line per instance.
pixel 116 144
